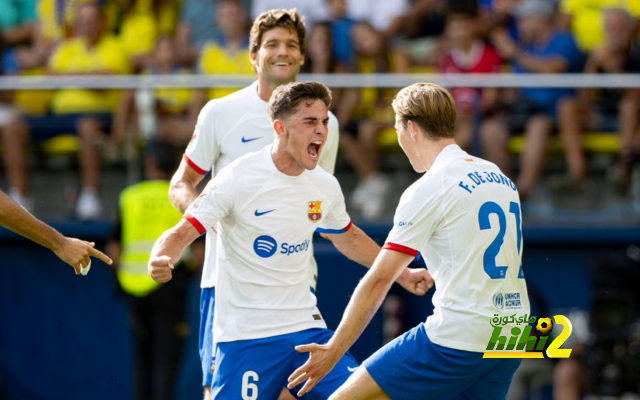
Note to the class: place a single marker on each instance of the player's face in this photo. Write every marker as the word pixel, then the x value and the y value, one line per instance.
pixel 278 59
pixel 307 132
pixel 406 143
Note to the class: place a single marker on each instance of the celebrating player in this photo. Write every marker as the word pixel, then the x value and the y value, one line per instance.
pixel 74 252
pixel 235 125
pixel 266 206
pixel 464 217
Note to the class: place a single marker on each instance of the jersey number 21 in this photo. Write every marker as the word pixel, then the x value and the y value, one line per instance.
pixel 489 260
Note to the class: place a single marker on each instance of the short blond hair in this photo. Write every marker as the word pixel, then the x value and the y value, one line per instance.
pixel 430 106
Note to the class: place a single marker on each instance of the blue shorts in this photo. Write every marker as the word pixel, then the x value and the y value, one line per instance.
pixel 207 355
pixel 259 368
pixel 412 367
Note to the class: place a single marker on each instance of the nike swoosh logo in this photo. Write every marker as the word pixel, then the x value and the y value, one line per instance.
pixel 245 140
pixel 352 369
pixel 258 213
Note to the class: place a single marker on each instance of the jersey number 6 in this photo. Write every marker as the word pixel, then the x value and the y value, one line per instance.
pixel 488 208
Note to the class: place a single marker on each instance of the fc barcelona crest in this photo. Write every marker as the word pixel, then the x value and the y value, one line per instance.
pixel 315 211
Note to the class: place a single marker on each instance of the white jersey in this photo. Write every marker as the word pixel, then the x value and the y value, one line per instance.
pixel 464 217
pixel 265 221
pixel 231 127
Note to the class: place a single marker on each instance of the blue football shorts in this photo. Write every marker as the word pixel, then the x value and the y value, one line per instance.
pixel 207 353
pixel 412 367
pixel 259 368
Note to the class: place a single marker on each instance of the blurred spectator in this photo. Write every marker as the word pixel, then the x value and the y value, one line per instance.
pixel 363 115
pixel 341 25
pixel 17 22
pixel 227 54
pixel 540 49
pixel 423 30
pixel 467 53
pixel 613 109
pixel 585 18
pixel 387 17
pixel 88 112
pixel 156 311
pixel 497 14
pixel 195 28
pixel 143 22
pixel 319 58
pixel 13 137
pixel 17 27
pixel 171 109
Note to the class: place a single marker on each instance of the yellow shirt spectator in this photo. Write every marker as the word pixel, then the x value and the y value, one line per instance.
pixel 587 18
pixel 56 23
pixel 74 57
pixel 141 26
pixel 216 60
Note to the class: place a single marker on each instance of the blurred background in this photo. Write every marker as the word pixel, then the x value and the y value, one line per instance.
pixel 558 112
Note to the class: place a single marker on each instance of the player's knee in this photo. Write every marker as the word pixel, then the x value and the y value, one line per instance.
pixel 207 393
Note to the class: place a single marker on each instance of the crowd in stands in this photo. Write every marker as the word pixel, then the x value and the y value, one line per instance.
pixel 107 37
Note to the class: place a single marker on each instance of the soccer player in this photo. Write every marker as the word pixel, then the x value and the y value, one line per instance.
pixel 74 252
pixel 235 125
pixel 266 207
pixel 464 217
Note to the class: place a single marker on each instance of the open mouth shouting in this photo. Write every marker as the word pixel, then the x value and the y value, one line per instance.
pixel 313 150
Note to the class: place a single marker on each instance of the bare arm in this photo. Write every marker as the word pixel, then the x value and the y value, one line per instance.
pixel 509 50
pixel 366 300
pixel 169 248
pixel 72 251
pixel 358 247
pixel 19 34
pixel 543 65
pixel 182 191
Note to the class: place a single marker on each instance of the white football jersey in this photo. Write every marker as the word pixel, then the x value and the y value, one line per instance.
pixel 464 217
pixel 231 127
pixel 265 221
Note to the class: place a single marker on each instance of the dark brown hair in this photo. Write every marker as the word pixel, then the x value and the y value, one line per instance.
pixel 289 19
pixel 286 98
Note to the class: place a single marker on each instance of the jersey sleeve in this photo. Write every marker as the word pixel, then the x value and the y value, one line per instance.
pixel 203 149
pixel 416 219
pixel 330 151
pixel 336 219
pixel 216 201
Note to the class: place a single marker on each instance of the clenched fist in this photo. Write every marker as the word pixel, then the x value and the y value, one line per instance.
pixel 160 268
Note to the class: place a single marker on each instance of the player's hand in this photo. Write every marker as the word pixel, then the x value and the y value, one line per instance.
pixel 416 280
pixel 77 253
pixel 321 361
pixel 160 268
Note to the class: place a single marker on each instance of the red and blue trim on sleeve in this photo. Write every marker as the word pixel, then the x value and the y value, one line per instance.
pixel 196 224
pixel 335 231
pixel 194 166
pixel 401 249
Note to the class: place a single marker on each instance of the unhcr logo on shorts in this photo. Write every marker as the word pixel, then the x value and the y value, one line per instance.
pixel 498 301
pixel 265 246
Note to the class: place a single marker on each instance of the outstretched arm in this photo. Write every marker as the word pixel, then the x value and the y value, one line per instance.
pixel 72 251
pixel 366 300
pixel 169 248
pixel 357 246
